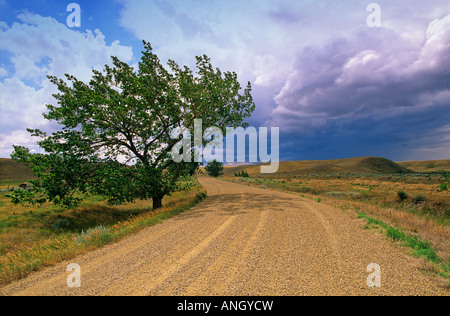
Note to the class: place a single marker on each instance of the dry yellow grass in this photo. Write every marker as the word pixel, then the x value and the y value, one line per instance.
pixel 427 166
pixel 351 165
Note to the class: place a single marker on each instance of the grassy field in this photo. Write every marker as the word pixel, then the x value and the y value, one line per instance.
pixel 12 170
pixel 337 166
pixel 35 237
pixel 427 166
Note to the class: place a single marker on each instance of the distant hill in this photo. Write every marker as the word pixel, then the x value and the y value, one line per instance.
pixel 351 165
pixel 427 166
pixel 12 170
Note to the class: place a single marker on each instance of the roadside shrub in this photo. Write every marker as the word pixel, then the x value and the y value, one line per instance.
pixel 214 168
pixel 402 195
pixel 419 198
pixel 444 186
pixel 200 196
pixel 242 174
pixel 96 234
pixel 61 223
pixel 305 189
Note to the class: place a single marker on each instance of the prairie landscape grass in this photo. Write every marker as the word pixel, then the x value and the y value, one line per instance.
pixel 34 237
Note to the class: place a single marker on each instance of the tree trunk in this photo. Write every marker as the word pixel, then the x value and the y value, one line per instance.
pixel 157 202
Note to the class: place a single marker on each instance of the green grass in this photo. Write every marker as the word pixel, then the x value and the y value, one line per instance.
pixel 421 248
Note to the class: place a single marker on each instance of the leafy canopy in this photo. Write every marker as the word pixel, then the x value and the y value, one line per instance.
pixel 115 138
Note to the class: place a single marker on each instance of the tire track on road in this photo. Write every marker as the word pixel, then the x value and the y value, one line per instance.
pixel 127 285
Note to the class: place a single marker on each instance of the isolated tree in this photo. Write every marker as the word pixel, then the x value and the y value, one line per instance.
pixel 115 138
pixel 214 168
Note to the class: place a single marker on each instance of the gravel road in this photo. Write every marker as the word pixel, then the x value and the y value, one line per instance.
pixel 243 241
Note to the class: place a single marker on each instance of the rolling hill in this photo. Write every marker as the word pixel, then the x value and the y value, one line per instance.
pixel 12 170
pixel 427 166
pixel 350 165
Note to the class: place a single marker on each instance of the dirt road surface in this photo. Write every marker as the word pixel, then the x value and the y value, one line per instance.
pixel 243 241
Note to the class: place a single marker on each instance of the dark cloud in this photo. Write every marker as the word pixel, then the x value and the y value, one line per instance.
pixel 414 134
pixel 374 89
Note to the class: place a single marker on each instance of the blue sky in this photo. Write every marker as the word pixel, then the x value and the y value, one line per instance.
pixel 335 86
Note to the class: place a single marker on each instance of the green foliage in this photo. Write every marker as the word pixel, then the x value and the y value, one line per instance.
pixel 395 234
pixel 242 174
pixel 97 234
pixel 21 196
pixel 419 198
pixel 214 168
pixel 115 138
pixel 62 223
pixel 422 248
pixel 200 196
pixel 402 195
pixel 444 186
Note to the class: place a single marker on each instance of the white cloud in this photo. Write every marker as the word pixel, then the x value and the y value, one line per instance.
pixel 436 50
pixel 20 137
pixel 68 51
pixel 21 105
pixel 3 72
pixel 242 36
pixel 41 46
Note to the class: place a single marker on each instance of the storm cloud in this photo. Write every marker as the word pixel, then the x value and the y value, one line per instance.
pixel 336 87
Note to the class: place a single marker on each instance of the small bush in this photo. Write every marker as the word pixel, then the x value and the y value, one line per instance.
pixel 214 168
pixel 402 195
pixel 200 196
pixel 62 223
pixel 305 189
pixel 419 198
pixel 445 186
pixel 99 233
pixel 242 174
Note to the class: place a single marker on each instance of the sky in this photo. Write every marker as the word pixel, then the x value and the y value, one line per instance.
pixel 340 79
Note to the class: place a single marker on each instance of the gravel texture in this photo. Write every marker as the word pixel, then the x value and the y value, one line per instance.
pixel 243 241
